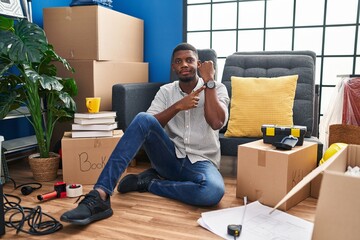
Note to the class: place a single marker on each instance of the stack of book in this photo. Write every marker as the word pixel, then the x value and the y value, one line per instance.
pixel 101 124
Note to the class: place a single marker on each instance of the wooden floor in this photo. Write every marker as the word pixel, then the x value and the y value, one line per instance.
pixel 136 215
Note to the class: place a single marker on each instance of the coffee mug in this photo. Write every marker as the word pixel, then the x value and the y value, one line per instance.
pixel 93 104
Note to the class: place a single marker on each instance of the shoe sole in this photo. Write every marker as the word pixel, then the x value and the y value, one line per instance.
pixel 96 217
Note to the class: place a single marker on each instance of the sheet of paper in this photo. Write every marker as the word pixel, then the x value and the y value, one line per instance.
pixel 258 223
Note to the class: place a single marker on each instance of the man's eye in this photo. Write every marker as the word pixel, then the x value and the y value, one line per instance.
pixel 177 61
pixel 190 60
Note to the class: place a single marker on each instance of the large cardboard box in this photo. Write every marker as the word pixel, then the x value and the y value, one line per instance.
pixel 96 79
pixel 94 32
pixel 337 212
pixel 83 159
pixel 267 174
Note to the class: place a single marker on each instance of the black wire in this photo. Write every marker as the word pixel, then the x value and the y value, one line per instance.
pixel 24 184
pixel 33 217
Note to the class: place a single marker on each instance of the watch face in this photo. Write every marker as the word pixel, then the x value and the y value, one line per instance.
pixel 210 84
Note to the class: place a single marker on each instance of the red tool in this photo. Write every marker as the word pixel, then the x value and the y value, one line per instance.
pixel 60 192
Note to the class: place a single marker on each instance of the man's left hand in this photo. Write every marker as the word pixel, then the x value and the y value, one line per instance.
pixel 207 71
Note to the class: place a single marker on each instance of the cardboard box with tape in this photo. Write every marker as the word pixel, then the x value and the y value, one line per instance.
pixel 83 159
pixel 94 32
pixel 267 174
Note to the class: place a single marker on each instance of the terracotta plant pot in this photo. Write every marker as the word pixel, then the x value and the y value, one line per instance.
pixel 44 169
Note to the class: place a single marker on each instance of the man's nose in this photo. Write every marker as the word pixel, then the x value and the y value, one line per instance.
pixel 183 64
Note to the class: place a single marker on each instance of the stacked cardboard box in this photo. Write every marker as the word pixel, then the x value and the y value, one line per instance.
pixel 104 47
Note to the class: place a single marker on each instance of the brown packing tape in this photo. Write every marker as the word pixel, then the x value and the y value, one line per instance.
pixel 258 193
pixel 262 158
pixel 97 143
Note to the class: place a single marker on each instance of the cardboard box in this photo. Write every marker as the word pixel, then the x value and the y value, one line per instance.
pixel 83 159
pixel 94 32
pixel 337 212
pixel 315 185
pixel 275 133
pixel 96 79
pixel 267 174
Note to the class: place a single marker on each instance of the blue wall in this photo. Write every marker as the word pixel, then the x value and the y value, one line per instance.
pixel 163 29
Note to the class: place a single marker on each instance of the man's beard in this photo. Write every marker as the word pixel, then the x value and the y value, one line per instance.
pixel 186 79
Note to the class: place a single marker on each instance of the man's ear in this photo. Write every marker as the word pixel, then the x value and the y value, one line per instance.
pixel 198 63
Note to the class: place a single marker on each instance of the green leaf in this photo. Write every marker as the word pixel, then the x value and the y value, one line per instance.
pixel 56 57
pixel 67 101
pixel 7 103
pixel 25 44
pixel 6 23
pixel 51 83
pixel 70 86
pixel 31 74
pixel 5 65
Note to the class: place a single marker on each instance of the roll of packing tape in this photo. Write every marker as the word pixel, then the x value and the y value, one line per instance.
pixel 74 190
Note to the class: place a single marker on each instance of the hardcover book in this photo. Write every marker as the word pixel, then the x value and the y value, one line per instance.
pixel 85 121
pixel 102 114
pixel 96 127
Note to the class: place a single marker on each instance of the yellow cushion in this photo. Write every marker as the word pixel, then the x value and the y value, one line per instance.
pixel 258 101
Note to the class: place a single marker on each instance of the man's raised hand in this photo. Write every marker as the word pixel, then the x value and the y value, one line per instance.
pixel 191 100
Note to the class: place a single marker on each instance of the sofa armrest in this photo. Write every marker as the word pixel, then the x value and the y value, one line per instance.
pixel 130 99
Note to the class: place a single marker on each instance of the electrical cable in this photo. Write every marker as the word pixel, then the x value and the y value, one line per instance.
pixel 26 188
pixel 19 216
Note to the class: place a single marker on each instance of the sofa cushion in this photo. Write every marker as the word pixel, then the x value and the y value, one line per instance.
pixel 275 64
pixel 258 101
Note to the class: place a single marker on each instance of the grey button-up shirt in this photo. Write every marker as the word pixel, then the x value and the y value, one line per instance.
pixel 189 130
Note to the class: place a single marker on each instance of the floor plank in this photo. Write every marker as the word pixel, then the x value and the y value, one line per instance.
pixel 136 215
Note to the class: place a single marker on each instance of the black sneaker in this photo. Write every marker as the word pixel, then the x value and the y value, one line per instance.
pixel 91 208
pixel 139 182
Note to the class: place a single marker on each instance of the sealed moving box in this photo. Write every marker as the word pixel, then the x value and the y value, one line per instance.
pixel 96 79
pixel 94 32
pixel 83 159
pixel 267 174
pixel 338 209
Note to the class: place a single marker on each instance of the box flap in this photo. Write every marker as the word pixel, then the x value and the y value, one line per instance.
pixel 307 179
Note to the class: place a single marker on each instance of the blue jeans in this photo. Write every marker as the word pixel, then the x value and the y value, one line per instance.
pixel 199 184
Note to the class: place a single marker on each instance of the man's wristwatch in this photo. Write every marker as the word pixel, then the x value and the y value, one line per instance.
pixel 210 84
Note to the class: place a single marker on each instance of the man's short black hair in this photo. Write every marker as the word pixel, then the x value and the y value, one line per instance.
pixel 184 46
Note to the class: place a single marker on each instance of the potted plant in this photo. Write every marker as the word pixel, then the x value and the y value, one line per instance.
pixel 28 78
